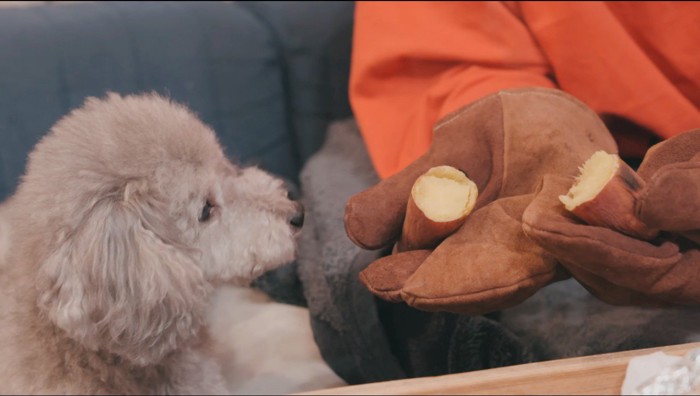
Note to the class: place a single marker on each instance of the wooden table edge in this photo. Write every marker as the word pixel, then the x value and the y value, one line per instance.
pixel 594 374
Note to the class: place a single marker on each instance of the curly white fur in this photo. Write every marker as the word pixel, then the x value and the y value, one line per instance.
pixel 112 258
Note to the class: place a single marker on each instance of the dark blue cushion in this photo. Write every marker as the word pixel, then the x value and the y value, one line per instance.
pixel 315 41
pixel 216 57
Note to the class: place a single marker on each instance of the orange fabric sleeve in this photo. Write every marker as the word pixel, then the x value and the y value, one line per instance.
pixel 635 60
pixel 414 62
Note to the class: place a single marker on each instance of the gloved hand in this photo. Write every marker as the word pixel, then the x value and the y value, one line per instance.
pixel 505 143
pixel 620 269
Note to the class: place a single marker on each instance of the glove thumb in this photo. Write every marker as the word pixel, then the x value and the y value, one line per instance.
pixel 373 218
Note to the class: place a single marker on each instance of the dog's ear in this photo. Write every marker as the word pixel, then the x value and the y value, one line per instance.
pixel 116 283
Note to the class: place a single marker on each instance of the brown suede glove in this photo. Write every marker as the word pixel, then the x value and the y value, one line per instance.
pixel 620 269
pixel 505 143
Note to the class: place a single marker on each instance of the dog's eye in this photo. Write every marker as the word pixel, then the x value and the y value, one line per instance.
pixel 206 212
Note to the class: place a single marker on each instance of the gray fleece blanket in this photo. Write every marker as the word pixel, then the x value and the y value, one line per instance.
pixel 365 339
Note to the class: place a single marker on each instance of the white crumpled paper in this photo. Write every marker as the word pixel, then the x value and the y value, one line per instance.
pixel 662 374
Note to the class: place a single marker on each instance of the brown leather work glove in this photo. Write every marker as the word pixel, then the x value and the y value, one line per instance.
pixel 620 269
pixel 505 143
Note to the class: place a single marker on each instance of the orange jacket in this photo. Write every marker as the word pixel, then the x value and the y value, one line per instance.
pixel 414 62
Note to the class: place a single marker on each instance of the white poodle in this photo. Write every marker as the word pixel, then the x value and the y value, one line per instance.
pixel 126 218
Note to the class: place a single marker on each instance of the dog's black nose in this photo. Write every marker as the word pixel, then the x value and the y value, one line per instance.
pixel 297 219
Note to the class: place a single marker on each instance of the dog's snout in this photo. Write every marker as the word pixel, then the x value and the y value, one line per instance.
pixel 297 218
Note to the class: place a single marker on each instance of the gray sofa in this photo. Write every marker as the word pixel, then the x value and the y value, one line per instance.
pixel 267 76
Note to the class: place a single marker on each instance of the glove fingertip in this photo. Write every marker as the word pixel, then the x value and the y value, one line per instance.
pixel 386 276
pixel 364 228
pixel 669 199
pixel 391 295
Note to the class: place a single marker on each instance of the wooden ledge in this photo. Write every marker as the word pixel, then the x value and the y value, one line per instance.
pixel 589 375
